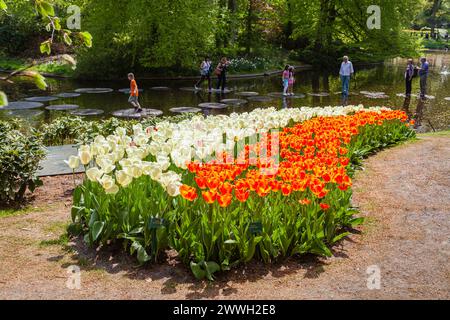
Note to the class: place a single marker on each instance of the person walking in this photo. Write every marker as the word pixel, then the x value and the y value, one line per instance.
pixel 205 74
pixel 221 73
pixel 409 74
pixel 134 93
pixel 423 74
pixel 285 79
pixel 345 73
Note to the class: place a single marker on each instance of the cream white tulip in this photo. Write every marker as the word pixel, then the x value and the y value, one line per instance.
pixel 123 178
pixel 73 162
pixel 94 174
pixel 85 157
pixel 113 189
pixel 107 182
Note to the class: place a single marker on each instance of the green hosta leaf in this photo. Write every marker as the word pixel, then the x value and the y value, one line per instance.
pixel 211 267
pixel 340 236
pixel 97 229
pixel 46 47
pixel 142 255
pixel 356 222
pixel 87 38
pixel 3 99
pixel 197 270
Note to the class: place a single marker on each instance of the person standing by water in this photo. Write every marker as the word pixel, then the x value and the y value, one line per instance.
pixel 134 93
pixel 291 81
pixel 409 74
pixel 205 74
pixel 285 79
pixel 345 73
pixel 221 73
pixel 423 73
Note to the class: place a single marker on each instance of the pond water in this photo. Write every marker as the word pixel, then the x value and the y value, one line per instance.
pixel 387 78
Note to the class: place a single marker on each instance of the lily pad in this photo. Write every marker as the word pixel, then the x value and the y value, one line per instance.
pixel 62 107
pixel 213 105
pixel 41 99
pixel 22 105
pixel 234 101
pixel 132 113
pixel 319 94
pixel 87 112
pixel 185 110
pixel 94 90
pixel 260 99
pixel 247 94
pixel 68 95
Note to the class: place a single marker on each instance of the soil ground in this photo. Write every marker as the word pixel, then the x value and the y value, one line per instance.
pixel 403 192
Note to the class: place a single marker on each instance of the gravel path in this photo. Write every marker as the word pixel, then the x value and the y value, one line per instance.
pixel 404 193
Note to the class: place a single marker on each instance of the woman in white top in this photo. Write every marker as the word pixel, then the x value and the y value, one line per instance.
pixel 205 73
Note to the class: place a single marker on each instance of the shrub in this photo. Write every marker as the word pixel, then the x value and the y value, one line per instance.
pixel 19 160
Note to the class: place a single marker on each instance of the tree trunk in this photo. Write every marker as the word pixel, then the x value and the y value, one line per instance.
pixel 327 16
pixel 436 6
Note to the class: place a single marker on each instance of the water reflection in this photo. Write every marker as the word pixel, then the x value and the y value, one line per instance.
pixel 388 78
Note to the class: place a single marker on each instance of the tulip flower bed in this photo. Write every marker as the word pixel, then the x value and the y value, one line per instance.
pixel 281 186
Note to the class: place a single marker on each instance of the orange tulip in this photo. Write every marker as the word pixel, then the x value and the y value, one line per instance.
pixel 209 196
pixel 188 192
pixel 224 200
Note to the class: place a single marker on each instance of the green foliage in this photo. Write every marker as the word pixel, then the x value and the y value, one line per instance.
pixel 19 160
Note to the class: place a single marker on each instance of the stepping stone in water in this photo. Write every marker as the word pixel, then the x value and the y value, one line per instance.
pixel 62 107
pixel 160 88
pixel 220 90
pixel 184 110
pixel 22 105
pixel 127 90
pixel 372 93
pixel 236 102
pixel 376 95
pixel 131 113
pixel 67 95
pixel 94 90
pixel 350 93
pixel 319 94
pixel 247 94
pixel 281 95
pixel 260 99
pixel 213 105
pixel 402 95
pixel 87 112
pixel 192 89
pixel 25 113
pixel 41 99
